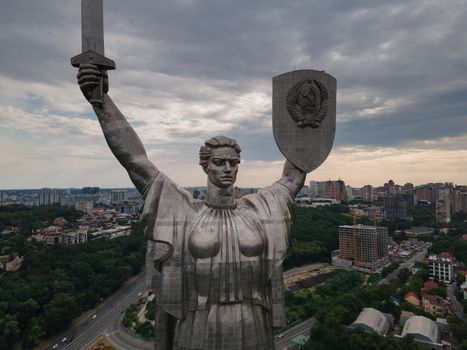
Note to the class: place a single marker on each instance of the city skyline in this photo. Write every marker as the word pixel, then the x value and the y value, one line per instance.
pixel 188 70
pixel 194 186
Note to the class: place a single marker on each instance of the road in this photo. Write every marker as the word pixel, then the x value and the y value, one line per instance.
pixel 107 322
pixel 456 306
pixel 122 340
pixel 417 257
pixel 89 329
pixel 285 340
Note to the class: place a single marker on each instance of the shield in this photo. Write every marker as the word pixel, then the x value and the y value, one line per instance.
pixel 304 116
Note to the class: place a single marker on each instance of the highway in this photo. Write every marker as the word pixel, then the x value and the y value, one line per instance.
pixel 107 322
pixel 284 340
pixel 107 316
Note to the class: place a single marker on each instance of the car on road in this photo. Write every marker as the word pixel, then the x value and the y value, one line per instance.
pixel 64 340
pixel 280 335
pixel 55 346
pixel 94 317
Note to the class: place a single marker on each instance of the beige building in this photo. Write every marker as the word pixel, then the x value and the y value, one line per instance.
pixel 434 305
pixel 84 206
pixel 14 265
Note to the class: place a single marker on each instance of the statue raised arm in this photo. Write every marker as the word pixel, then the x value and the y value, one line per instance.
pixel 120 136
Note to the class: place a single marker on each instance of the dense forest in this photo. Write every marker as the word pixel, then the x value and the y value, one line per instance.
pixel 315 234
pixel 28 218
pixel 57 283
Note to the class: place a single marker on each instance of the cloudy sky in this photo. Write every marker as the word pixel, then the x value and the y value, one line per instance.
pixel 188 70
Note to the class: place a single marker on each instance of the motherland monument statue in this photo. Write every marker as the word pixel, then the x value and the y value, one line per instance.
pixel 216 263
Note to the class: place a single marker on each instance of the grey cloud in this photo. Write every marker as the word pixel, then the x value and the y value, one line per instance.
pixel 207 52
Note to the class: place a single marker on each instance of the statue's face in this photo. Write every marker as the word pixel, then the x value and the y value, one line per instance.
pixel 223 166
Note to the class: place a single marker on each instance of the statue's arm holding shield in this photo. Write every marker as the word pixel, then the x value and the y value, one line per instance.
pixel 120 136
pixel 294 177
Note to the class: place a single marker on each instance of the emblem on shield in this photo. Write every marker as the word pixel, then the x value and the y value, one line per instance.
pixel 307 103
pixel 304 116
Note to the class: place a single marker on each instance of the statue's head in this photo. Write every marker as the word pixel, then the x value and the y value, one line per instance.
pixel 219 158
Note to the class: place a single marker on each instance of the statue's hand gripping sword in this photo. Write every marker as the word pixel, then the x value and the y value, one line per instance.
pixel 92 34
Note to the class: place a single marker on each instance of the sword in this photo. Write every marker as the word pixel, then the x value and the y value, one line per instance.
pixel 92 36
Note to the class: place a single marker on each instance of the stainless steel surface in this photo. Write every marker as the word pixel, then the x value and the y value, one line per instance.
pixel 304 116
pixel 92 26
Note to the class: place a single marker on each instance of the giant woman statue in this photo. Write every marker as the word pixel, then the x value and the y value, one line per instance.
pixel 218 262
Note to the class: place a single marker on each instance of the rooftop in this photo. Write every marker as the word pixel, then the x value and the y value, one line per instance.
pixel 372 320
pixel 409 295
pixel 434 299
pixel 430 285
pixel 422 328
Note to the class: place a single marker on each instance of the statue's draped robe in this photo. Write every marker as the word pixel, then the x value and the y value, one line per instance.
pixel 218 273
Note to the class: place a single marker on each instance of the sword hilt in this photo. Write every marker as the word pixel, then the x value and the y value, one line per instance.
pixel 102 62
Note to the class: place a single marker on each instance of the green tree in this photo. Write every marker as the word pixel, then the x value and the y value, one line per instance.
pixel 33 333
pixel 9 331
pixel 150 310
pixel 403 275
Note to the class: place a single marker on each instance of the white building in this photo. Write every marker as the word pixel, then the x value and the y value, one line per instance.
pixel 49 196
pixel 372 320
pixel 423 330
pixel 112 233
pixel 441 267
pixel 75 237
pixel 118 196
pixel 464 289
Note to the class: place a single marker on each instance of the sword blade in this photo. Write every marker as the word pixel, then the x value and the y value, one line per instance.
pixel 92 26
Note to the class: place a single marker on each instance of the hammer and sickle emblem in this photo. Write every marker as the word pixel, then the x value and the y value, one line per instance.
pixel 307 103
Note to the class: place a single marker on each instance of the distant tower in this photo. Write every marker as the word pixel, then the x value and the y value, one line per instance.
pixel 119 196
pixel 49 196
pixel 444 204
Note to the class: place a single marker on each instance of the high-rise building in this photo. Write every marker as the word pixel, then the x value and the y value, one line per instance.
pixel 425 193
pixel 367 193
pixel 460 200
pixel 304 191
pixel 119 196
pixel 444 205
pixel 336 190
pixel 353 193
pixel 390 187
pixel 328 189
pixel 443 214
pixel 314 191
pixel 395 206
pixel 365 245
pixel 49 196
pixel 441 267
pixel 3 197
